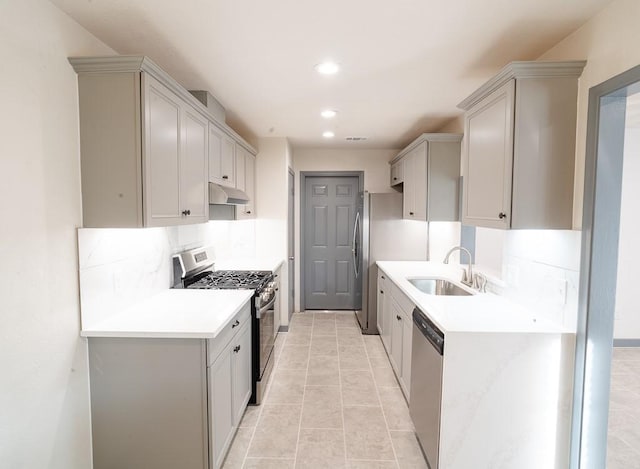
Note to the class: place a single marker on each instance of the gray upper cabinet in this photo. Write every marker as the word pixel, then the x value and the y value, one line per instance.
pixel 429 170
pixel 246 181
pixel 148 147
pixel 397 173
pixel 144 145
pixel 519 152
pixel 222 158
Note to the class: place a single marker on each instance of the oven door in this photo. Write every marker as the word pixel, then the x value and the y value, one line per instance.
pixel 265 318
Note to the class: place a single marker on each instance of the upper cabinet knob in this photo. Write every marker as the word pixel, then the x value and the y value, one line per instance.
pixel 502 215
pixel 225 177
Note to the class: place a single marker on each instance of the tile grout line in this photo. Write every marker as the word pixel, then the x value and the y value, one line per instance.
pixel 304 391
pixel 344 427
pixel 386 423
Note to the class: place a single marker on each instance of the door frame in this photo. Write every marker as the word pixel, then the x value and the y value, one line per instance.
pixel 291 241
pixel 303 199
pixel 598 268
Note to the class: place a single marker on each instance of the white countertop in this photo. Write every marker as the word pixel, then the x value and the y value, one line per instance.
pixel 175 314
pixel 248 264
pixel 481 312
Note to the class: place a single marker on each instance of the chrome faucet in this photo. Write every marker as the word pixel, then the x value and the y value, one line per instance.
pixel 467 275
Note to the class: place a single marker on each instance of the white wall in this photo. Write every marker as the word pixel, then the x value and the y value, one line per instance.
pixel 44 395
pixel 374 163
pixel 627 312
pixel 272 164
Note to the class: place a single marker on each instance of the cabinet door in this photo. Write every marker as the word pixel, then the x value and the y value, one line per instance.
pixel 489 159
pixel 419 176
pixel 221 412
pixel 194 162
pixel 386 319
pixel 397 173
pixel 396 338
pixel 215 154
pixel 250 185
pixel 408 189
pixel 228 162
pixel 240 167
pixel 161 154
pixel 381 298
pixel 241 371
pixel 407 339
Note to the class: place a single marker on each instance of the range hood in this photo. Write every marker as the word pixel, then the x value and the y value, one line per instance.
pixel 226 195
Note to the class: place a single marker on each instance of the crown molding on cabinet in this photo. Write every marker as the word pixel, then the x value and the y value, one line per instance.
pixel 141 63
pixel 427 137
pixel 524 69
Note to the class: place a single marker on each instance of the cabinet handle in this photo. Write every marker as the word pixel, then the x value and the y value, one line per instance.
pixel 398 318
pixel 236 349
pixel 502 215
pixel 395 179
pixel 382 291
pixel 382 277
pixel 410 213
pixel 186 212
pixel 225 177
pixel 235 324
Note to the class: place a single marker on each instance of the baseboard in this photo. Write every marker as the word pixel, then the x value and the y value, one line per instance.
pixel 626 342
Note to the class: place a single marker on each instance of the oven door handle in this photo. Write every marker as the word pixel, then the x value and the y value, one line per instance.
pixel 260 310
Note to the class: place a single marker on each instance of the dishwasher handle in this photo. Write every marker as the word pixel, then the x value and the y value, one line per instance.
pixel 429 330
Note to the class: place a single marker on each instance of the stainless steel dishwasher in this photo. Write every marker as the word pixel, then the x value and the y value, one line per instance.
pixel 426 384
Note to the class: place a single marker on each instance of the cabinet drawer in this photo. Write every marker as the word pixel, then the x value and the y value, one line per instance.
pixel 405 304
pixel 217 345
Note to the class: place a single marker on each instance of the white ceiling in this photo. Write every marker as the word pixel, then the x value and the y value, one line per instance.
pixel 406 64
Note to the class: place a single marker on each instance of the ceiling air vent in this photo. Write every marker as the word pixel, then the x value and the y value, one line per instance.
pixel 355 139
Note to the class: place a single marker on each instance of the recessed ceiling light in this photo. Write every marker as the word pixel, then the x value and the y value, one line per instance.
pixel 327 68
pixel 328 134
pixel 328 113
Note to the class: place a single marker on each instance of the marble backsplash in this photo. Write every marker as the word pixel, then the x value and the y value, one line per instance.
pixel 119 267
pixel 538 269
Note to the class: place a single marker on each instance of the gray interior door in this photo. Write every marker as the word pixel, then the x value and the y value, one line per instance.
pixel 290 243
pixel 329 222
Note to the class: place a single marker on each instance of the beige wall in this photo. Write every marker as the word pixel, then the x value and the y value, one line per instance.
pixel 44 395
pixel 374 163
pixel 610 42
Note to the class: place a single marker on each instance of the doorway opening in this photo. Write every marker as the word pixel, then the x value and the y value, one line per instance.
pixel 330 232
pixel 613 144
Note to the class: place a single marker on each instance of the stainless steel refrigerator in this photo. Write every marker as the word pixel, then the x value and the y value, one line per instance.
pixel 386 236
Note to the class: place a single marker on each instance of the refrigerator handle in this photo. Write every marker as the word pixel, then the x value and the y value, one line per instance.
pixel 354 248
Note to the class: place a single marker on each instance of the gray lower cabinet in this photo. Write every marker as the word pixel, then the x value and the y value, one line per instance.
pixel 167 403
pixel 395 326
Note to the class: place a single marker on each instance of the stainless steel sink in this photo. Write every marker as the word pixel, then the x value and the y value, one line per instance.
pixel 437 286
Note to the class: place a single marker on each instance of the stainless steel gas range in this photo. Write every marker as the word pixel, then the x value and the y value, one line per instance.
pixel 195 269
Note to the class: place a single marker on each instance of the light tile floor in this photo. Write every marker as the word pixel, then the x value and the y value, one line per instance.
pixel 333 402
pixel 623 447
